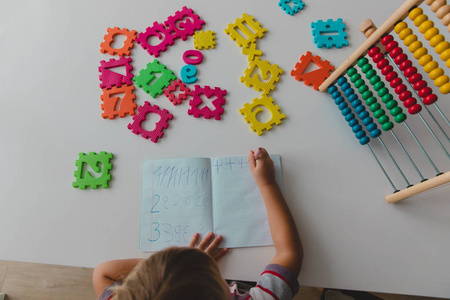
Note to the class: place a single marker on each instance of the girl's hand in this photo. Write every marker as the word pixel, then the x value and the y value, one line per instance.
pixel 210 245
pixel 262 168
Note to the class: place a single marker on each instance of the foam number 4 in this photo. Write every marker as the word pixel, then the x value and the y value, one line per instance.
pixel 252 79
pixel 188 73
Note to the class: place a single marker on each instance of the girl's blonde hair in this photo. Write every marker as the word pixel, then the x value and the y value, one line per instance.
pixel 174 273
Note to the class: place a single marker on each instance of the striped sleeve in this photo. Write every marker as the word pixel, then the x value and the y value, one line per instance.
pixel 108 293
pixel 275 283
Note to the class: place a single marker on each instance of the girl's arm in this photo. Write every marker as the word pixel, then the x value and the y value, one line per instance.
pixel 288 246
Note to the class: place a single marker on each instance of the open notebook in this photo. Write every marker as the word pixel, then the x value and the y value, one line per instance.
pixel 184 196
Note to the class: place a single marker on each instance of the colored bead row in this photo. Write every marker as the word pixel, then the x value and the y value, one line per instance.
pixel 409 71
pixel 396 83
pixel 360 134
pixel 442 11
pixel 363 115
pixel 367 95
pixel 421 53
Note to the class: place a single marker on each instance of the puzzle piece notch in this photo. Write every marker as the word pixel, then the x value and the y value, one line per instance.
pixel 316 77
pixel 204 40
pixel 156 30
pixel 250 110
pixel 265 68
pixel 127 105
pixel 185 92
pixel 250 36
pixel 251 52
pixel 297 5
pixel 192 22
pixel 92 159
pixel 105 46
pixel 206 112
pixel 141 116
pixel 146 76
pixel 109 78
pixel 330 26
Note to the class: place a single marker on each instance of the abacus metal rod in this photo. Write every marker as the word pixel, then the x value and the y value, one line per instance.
pixel 442 115
pixel 395 163
pixel 407 154
pixel 435 137
pixel 384 171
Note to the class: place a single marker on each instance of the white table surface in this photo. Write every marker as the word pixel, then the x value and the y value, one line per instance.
pixel 50 111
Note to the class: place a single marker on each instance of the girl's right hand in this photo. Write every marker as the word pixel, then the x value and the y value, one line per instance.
pixel 262 168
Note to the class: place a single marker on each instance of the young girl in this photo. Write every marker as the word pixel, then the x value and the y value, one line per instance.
pixel 192 272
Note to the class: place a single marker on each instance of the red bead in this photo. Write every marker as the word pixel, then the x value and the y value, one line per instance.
pixel 415 109
pixel 400 89
pixel 396 82
pixel 419 85
pixel 391 46
pixel 377 57
pixel 424 92
pixel 409 102
pixel 414 78
pixel 405 65
pixel 387 39
pixel 410 71
pixel 374 51
pixel 391 76
pixel 386 70
pixel 401 58
pixel 396 52
pixel 382 63
pixel 430 99
pixel 405 95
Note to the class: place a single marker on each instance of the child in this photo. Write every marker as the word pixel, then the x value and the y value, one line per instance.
pixel 192 272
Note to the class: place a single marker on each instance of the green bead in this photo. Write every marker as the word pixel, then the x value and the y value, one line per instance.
pixel 355 77
pixel 359 83
pixel 382 92
pixel 366 68
pixel 378 86
pixel 387 126
pixel 363 61
pixel 396 110
pixel 351 72
pixel 386 98
pixel 363 88
pixel 391 104
pixel 383 119
pixel 370 73
pixel 378 113
pixel 371 100
pixel 367 94
pixel 374 79
pixel 374 107
pixel 400 118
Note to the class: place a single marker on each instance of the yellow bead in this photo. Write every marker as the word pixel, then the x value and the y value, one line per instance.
pixel 430 33
pixel 436 40
pixel 431 66
pixel 413 14
pixel 410 39
pixel 420 20
pixel 405 33
pixel 427 25
pixel 414 46
pixel 440 81
pixel 425 59
pixel 445 89
pixel 442 47
pixel 448 63
pixel 445 55
pixel 420 52
pixel 436 73
pixel 400 26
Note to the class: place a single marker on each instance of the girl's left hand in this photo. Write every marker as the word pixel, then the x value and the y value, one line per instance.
pixel 210 245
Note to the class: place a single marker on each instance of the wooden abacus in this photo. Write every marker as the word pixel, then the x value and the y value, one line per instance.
pixel 389 58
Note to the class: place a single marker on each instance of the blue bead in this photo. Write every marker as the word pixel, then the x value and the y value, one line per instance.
pixel 371 127
pixel 346 111
pixel 342 105
pixel 363 115
pixel 332 89
pixel 339 100
pixel 360 134
pixel 367 121
pixel 357 128
pixel 349 117
pixel 352 97
pixel 352 122
pixel 342 80
pixel 349 92
pixel 375 133
pixel 345 86
pixel 335 95
pixel 364 140
pixel 356 103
